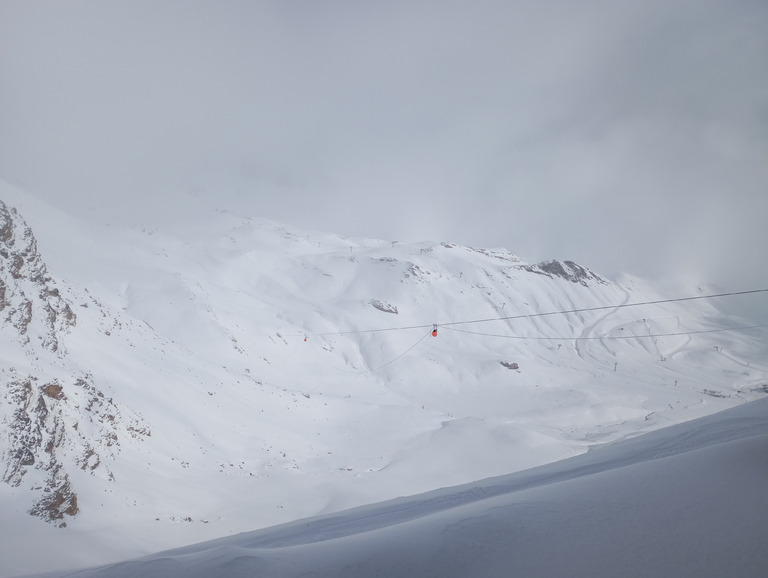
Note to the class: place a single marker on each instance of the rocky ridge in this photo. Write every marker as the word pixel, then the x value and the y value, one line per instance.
pixel 50 424
pixel 567 270
pixel 28 294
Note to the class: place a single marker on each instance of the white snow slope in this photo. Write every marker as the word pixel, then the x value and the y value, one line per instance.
pixel 687 501
pixel 184 404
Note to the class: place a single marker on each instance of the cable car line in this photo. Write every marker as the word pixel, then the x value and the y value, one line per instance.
pixel 604 307
pixel 607 337
pixel 450 324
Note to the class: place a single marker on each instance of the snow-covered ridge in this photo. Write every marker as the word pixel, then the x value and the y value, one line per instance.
pixel 184 402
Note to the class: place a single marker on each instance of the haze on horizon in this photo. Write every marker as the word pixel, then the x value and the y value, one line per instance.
pixel 628 136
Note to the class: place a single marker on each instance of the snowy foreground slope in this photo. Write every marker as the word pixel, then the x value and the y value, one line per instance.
pixel 687 501
pixel 163 387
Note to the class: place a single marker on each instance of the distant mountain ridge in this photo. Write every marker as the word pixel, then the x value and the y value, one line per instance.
pixel 567 270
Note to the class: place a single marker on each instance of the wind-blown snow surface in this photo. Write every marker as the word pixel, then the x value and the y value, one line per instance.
pixel 687 500
pixel 221 418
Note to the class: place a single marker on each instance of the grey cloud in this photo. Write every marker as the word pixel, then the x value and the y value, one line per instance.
pixel 630 136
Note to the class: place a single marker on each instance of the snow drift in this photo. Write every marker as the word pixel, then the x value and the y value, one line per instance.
pixel 686 501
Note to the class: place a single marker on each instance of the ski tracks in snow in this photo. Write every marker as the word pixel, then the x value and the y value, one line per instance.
pixel 588 333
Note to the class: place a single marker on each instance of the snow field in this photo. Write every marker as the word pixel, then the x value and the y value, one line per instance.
pixel 197 336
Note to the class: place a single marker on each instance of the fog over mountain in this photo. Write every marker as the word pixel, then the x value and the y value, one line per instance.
pixel 629 137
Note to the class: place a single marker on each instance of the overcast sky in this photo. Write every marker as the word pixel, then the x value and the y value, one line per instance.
pixel 629 136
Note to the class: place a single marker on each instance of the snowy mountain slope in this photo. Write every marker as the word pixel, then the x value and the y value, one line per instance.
pixel 205 412
pixel 48 425
pixel 687 500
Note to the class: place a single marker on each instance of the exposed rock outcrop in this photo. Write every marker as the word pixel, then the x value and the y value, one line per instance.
pixel 53 427
pixel 567 270
pixel 50 426
pixel 30 302
pixel 383 306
